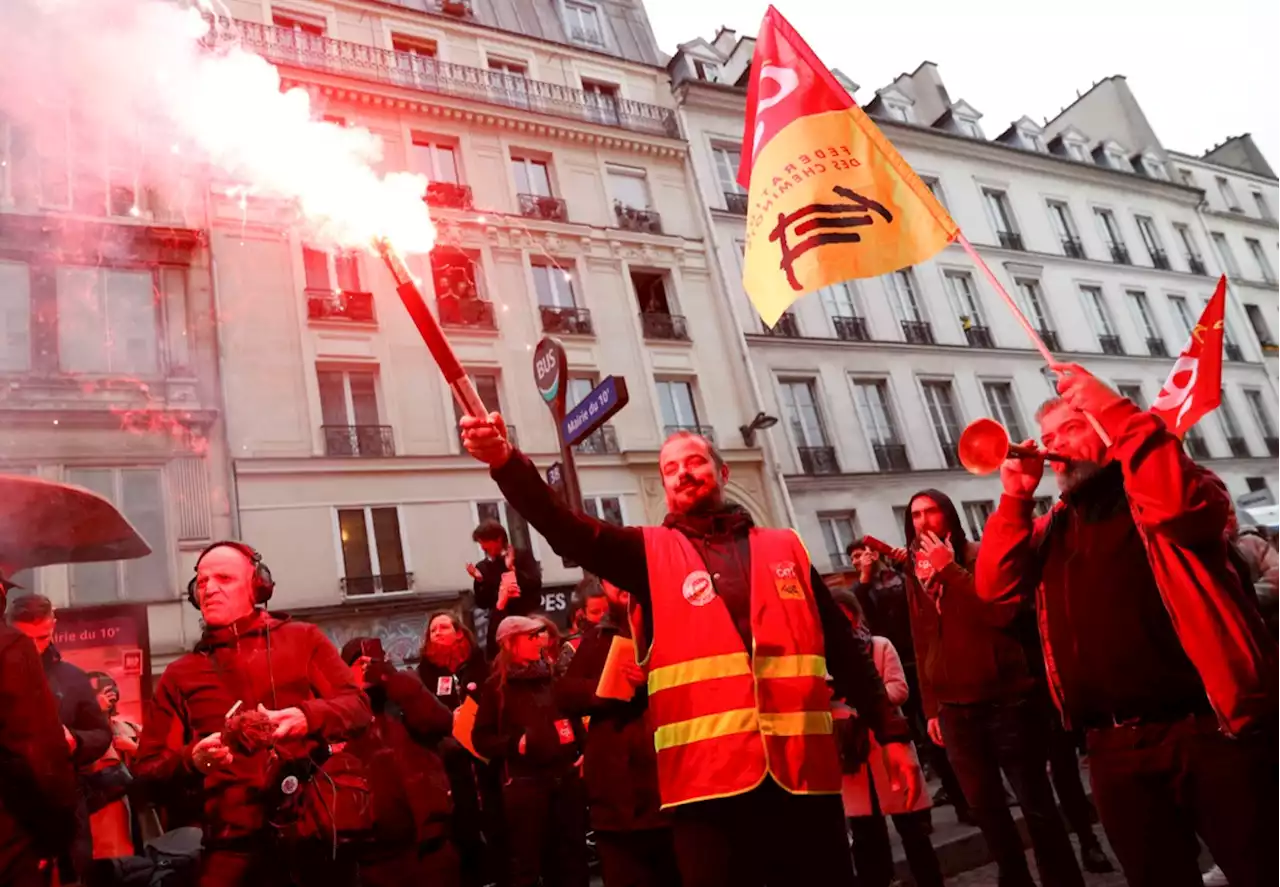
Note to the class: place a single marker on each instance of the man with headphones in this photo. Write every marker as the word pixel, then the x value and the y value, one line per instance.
pixel 247 660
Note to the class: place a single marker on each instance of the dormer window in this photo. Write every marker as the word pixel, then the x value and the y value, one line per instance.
pixel 1117 157
pixel 966 119
pixel 1077 151
pixel 1034 141
pixel 896 104
pixel 708 71
pixel 1152 167
pixel 969 127
pixel 899 111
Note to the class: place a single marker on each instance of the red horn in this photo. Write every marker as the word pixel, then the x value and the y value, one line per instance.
pixel 984 445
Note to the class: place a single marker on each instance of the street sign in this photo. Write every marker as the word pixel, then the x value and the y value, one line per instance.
pixel 594 410
pixel 551 372
pixel 555 477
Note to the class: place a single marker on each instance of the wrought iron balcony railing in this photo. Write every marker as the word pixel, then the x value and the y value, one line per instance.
pixel 735 202
pixel 602 441
pixel 1110 345
pixel 892 457
pixel 449 195
pixel 917 332
pixel 950 455
pixel 664 326
pixel 1120 254
pixel 702 430
pixel 573 321
pixel 787 327
pixel 1232 351
pixel 818 460
pixel 1050 339
pixel 632 218
pixel 1195 446
pixel 472 314
pixel 337 305
pixel 538 206
pixel 358 440
pixel 291 47
pixel 1073 248
pixel 1156 347
pixel 387 583
pixel 1239 446
pixel 852 329
pixel 1197 266
pixel 1273 445
pixel 979 336
pixel 1160 259
pixel 1011 240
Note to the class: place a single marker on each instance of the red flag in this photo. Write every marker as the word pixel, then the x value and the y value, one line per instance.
pixel 1194 386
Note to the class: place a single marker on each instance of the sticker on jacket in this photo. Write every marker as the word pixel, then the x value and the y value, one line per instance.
pixel 444 685
pixel 698 588
pixel 565 730
pixel 787 581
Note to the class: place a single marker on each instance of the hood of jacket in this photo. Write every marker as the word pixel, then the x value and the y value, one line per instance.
pixel 256 624
pixel 730 520
pixel 959 539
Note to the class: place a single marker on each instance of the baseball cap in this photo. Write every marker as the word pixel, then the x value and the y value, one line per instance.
pixel 518 625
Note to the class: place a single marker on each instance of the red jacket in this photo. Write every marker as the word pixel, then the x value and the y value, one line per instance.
pixel 228 665
pixel 1180 510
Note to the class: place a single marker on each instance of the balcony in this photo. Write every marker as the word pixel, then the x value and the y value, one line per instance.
pixel 601 442
pixel 978 336
pixel 388 583
pixel 1120 254
pixel 917 332
pixel 1232 352
pixel 570 321
pixel 1050 339
pixel 852 329
pixel 337 305
pixel 405 69
pixel 892 457
pixel 1072 248
pixel 951 455
pixel 736 202
pixel 630 218
pixel 1156 347
pixel 1160 259
pixel 1273 445
pixel 1110 345
pixel 538 206
pixel 1196 266
pixel 373 441
pixel 467 314
pixel 1239 447
pixel 448 195
pixel 818 460
pixel 787 327
pixel 1195 446
pixel 701 430
pixel 671 327
pixel 1011 240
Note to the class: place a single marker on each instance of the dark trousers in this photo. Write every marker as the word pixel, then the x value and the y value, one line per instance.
pixel 1064 770
pixel 766 837
pixel 645 858
pixel 546 831
pixel 276 867
pixel 1157 786
pixel 873 854
pixel 930 754
pixel 437 867
pixel 987 738
pixel 468 821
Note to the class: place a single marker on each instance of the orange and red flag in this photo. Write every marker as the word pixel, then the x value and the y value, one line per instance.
pixel 1194 386
pixel 830 198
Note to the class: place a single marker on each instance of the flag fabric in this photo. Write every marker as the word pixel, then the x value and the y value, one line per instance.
pixel 1194 386
pixel 830 199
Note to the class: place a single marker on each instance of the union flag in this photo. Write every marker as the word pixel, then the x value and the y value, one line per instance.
pixel 1194 386
pixel 830 199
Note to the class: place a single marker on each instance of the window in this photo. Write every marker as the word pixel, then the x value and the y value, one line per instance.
pixel 1258 409
pixel 1077 151
pixel 902 290
pixel 629 187
pixel 139 494
pixel 1065 227
pixel 934 184
pixel 348 397
pixel 997 203
pixel 1259 323
pixel 1187 176
pixel 436 159
pixel 1000 404
pixel 1154 168
pixel 841 300
pixel 1231 428
pixel 584 23
pixel 976 515
pixel 969 127
pixel 872 399
pixel 532 176
pixel 1256 484
pixel 964 298
pixel 1182 312
pixel 1096 307
pixel 1225 255
pixel 554 285
pixel 727 160
pixel 899 111
pixel 1151 240
pixel 299 21
pixel 331 272
pixel 15 317
pixel 601 100
pixel 1228 194
pixel 515 525
pixel 1260 203
pixel 1260 257
pixel 511 67
pixel 487 386
pixel 708 71
pixel 1188 241
pixel 1110 230
pixel 838 533
pixel 941 401
pixel 1034 140
pixel 801 408
pixel 675 400
pixel 1146 322
pixel 107 321
pixel 372 553
pixel 1117 159
pixel 1033 302
pixel 605 508
pixel 419 46
pixel 1132 391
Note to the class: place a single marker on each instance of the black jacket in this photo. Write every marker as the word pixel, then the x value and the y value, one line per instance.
pixel 618 555
pixel 528 577
pixel 887 610
pixel 526 707
pixel 78 707
pixel 621 767
pixel 38 794
pixel 466 681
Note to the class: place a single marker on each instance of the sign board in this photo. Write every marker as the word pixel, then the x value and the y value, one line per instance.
pixel 594 410
pixel 555 478
pixel 112 645
pixel 551 373
pixel 1255 499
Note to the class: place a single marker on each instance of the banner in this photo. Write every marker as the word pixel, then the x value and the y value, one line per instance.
pixel 1194 386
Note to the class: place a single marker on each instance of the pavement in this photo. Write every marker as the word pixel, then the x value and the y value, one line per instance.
pixel 988 876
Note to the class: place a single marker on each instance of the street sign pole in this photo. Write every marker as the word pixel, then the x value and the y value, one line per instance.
pixel 551 373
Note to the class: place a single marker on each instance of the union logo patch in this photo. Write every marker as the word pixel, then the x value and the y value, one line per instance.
pixel 698 588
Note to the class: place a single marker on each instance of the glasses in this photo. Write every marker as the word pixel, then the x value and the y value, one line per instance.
pixel 539 633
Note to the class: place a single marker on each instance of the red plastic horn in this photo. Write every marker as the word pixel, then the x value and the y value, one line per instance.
pixel 984 445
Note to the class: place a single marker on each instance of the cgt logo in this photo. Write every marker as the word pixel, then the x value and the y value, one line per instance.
pixel 698 589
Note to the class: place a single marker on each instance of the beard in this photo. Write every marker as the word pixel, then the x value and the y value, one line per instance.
pixel 1076 473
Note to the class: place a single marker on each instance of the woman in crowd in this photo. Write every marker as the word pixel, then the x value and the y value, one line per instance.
pixel 868 794
pixel 452 665
pixel 539 747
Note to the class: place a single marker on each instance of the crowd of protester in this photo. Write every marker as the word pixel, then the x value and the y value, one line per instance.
pixel 758 728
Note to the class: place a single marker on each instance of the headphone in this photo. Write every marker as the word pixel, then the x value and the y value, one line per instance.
pixel 263 584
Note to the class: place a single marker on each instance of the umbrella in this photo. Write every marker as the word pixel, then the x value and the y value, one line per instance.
pixel 42 522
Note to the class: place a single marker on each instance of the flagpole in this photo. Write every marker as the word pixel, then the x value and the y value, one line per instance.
pixel 1022 319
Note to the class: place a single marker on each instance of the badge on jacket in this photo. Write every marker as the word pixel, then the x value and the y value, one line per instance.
pixel 698 588
pixel 787 581
pixel 565 731
pixel 444 685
